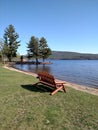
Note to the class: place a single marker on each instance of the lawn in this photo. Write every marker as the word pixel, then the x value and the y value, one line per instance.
pixel 27 107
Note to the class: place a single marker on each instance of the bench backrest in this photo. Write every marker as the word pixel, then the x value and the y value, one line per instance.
pixel 46 77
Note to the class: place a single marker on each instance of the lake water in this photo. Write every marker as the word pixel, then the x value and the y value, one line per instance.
pixel 83 72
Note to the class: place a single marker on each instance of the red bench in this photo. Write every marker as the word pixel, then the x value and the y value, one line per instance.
pixel 49 80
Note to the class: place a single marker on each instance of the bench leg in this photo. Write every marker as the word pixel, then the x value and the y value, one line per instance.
pixel 55 91
pixel 64 89
pixel 37 83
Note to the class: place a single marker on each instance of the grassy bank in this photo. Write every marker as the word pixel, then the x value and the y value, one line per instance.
pixel 26 107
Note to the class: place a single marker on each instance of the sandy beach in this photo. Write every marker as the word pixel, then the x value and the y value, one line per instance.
pixel 72 85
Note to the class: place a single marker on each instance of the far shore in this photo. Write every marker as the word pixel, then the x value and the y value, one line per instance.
pixel 90 90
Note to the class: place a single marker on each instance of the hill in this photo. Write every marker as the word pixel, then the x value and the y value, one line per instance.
pixel 64 55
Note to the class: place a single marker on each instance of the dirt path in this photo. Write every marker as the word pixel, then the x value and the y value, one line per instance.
pixel 72 85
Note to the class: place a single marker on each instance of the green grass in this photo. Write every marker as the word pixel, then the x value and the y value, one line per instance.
pixel 26 107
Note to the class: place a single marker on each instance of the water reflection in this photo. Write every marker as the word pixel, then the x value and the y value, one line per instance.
pixel 34 68
pixel 38 68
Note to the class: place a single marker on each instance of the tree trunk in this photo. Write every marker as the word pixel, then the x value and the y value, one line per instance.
pixel 36 61
pixel 10 59
pixel 43 59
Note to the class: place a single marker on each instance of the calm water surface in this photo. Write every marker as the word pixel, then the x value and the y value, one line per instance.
pixel 83 72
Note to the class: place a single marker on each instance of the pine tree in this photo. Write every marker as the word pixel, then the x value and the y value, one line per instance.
pixel 1 49
pixel 33 46
pixel 45 51
pixel 10 42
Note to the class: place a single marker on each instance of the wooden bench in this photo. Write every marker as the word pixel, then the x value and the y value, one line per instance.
pixel 49 80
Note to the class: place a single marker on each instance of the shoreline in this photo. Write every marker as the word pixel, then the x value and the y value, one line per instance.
pixel 90 90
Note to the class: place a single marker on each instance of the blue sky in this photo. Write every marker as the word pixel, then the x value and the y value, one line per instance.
pixel 67 25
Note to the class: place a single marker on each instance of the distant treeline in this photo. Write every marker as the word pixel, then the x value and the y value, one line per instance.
pixel 63 55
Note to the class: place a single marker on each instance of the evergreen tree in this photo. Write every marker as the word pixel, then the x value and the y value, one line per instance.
pixel 1 49
pixel 45 51
pixel 33 46
pixel 10 42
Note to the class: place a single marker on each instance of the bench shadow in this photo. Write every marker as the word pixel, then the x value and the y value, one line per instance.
pixel 37 88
